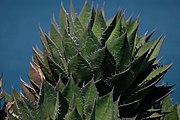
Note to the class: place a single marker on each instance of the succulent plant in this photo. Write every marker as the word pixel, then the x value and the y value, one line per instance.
pixel 92 69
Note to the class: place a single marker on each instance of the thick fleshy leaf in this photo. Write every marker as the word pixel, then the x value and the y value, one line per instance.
pixel 144 39
pixel 125 110
pixel 36 52
pixel 60 85
pixel 156 49
pixel 156 72
pixel 102 20
pixel 119 48
pixel 73 115
pixel 56 55
pixel 92 18
pixel 97 26
pixel 63 19
pixel 56 69
pixel 132 39
pixel 7 97
pixel 116 33
pixel 56 36
pixel 48 102
pixel 121 82
pixel 78 28
pixel 92 117
pixel 89 93
pixel 107 32
pixel 69 46
pixel 151 98
pixel 85 13
pixel 62 107
pixel 46 71
pixel 80 70
pixel 103 63
pixel 133 26
pixel 45 48
pixel 71 91
pixel 70 25
pixel 173 115
pixel 72 12
pixel 166 104
pixel 104 108
pixel 16 108
pixel 146 46
pixel 31 108
pixel 88 43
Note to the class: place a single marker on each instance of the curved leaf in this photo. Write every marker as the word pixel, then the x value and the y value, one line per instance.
pixel 71 91
pixel 120 50
pixel 48 102
pixel 103 63
pixel 73 115
pixel 84 15
pixel 88 43
pixel 80 70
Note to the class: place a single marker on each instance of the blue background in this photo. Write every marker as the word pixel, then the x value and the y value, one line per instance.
pixel 20 19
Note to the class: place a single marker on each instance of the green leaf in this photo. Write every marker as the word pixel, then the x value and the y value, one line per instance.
pixel 103 63
pixel 144 39
pixel 6 96
pixel 70 26
pixel 115 33
pixel 78 28
pixel 60 85
pixel 56 36
pixel 132 39
pixel 84 15
pixel 69 46
pixel 24 108
pixel 107 32
pixel 63 19
pixel 45 47
pixel 102 20
pixel 119 48
pixel 46 71
pixel 71 91
pixel 48 101
pixel 56 69
pixel 173 114
pixel 156 49
pixel 146 46
pixel 89 93
pixel 161 70
pixel 80 70
pixel 166 104
pixel 104 108
pixel 72 12
pixel 92 117
pixel 56 55
pixel 73 115
pixel 133 26
pixel 92 18
pixel 99 24
pixel 88 43
pixel 62 106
